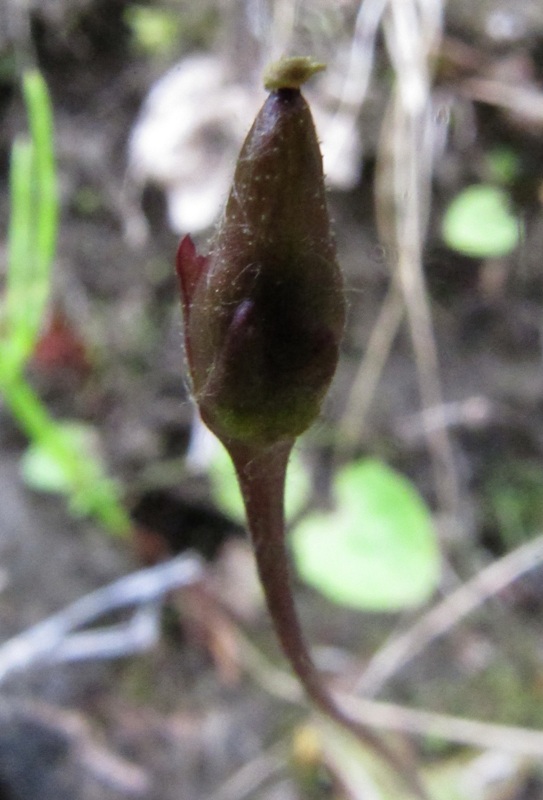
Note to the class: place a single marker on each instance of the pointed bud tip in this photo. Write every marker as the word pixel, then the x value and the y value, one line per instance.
pixel 291 73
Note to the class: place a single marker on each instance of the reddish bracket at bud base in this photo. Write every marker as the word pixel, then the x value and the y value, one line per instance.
pixel 189 267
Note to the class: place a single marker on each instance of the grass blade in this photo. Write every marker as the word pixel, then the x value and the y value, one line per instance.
pixel 40 119
pixel 33 228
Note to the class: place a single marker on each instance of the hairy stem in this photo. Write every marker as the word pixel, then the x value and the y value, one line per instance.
pixel 262 479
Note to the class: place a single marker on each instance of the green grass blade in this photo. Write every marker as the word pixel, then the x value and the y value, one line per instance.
pixel 21 203
pixel 33 228
pixel 40 118
pixel 32 239
pixel 14 346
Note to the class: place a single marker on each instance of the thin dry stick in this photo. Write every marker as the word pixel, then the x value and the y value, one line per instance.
pixel 363 390
pixel 361 56
pixel 60 638
pixel 487 736
pixel 359 68
pixel 397 718
pixel 401 649
pixel 412 34
pixel 283 26
pixel 525 101
pixel 252 775
pixel 355 87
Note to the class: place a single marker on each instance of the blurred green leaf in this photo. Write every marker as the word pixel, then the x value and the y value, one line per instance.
pixel 479 223
pixel 42 465
pixel 155 30
pixel 65 460
pixel 378 549
pixel 512 495
pixel 504 164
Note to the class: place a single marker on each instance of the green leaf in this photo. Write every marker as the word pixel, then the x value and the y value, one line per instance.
pixel 378 549
pixel 227 496
pixel 503 164
pixel 42 465
pixel 155 30
pixel 479 223
pixel 65 460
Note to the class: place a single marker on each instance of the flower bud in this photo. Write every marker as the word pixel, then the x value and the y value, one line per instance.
pixel 264 312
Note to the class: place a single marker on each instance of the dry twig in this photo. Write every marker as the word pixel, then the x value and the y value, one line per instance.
pixel 445 615
pixel 397 718
pixel 57 639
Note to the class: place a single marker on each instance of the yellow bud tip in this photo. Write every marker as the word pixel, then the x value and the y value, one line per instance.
pixel 290 73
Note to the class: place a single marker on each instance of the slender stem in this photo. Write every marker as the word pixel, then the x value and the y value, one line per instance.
pixel 262 480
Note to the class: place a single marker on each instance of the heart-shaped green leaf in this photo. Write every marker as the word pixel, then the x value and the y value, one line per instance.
pixel 378 549
pixel 479 223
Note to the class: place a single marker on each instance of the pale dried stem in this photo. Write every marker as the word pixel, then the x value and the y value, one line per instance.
pixel 355 87
pixel 397 718
pixel 484 735
pixel 363 390
pixel 413 30
pixel 527 102
pixel 362 53
pixel 59 638
pixel 488 582
pixel 285 14
pixel 251 776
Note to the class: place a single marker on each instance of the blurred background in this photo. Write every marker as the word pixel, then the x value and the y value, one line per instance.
pixel 416 502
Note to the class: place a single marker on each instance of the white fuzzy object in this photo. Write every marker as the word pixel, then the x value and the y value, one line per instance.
pixel 189 132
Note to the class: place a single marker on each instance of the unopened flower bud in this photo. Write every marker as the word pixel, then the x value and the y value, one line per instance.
pixel 264 312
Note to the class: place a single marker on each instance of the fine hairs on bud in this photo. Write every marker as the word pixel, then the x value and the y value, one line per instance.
pixel 264 311
pixel 263 317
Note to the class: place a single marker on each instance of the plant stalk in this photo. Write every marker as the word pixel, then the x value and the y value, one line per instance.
pixel 262 481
